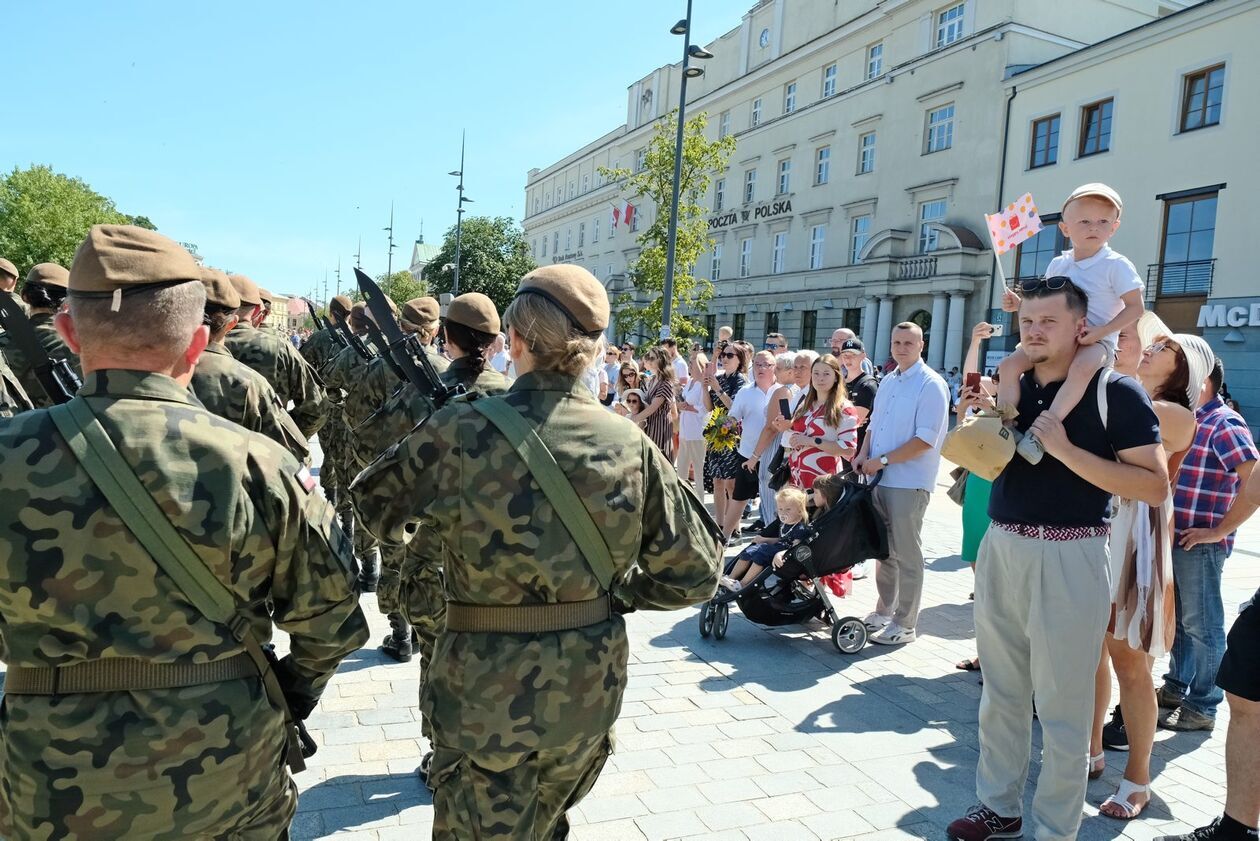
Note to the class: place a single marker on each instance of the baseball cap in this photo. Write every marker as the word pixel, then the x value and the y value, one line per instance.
pixel 853 344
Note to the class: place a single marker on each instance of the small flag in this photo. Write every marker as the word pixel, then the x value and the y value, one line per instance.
pixel 628 214
pixel 616 217
pixel 1015 224
pixel 306 480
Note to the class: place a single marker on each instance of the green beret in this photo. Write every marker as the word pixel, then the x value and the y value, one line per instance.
pixel 219 289
pixel 49 274
pixel 116 260
pixel 247 289
pixel 575 291
pixel 475 311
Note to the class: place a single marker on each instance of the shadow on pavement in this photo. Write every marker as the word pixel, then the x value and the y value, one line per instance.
pixel 350 802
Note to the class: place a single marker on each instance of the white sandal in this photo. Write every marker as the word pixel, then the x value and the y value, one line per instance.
pixel 1121 798
pixel 1095 773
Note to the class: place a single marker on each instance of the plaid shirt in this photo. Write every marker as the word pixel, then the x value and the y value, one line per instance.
pixel 1207 484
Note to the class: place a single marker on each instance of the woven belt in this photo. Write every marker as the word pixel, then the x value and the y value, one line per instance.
pixel 1056 533
pixel 526 618
pixel 122 674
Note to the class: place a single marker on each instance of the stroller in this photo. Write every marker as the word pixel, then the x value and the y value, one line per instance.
pixel 850 532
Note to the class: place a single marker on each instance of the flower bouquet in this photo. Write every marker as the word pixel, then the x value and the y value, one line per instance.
pixel 721 432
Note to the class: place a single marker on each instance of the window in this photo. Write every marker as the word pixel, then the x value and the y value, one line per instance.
pixel 866 153
pixel 586 183
pixel 555 244
pixel 817 236
pixel 715 263
pixel 581 234
pixel 533 247
pixel 822 165
pixel 1201 100
pixel 1189 232
pixel 772 323
pixel 929 211
pixel 949 25
pixel 737 326
pixel 1033 255
pixel 756 112
pixel 940 128
pixel 1045 142
pixel 809 329
pixel 572 189
pixel 568 240
pixel 544 247
pixel 874 60
pixel 829 80
pixel 1095 128
pixel 537 204
pixel 710 326
pixel 745 257
pixel 640 160
pixel 861 233
pixel 724 124
pixel 852 319
pixel 719 194
pixel 778 257
pixel 595 230
pixel 750 185
pixel 634 219
pixel 785 176
pixel 789 98
pixel 548 199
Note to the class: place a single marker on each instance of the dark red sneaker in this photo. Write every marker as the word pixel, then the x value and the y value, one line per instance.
pixel 982 823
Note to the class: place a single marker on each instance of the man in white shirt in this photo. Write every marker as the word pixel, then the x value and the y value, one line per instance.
pixel 903 439
pixel 499 357
pixel 680 364
pixel 749 408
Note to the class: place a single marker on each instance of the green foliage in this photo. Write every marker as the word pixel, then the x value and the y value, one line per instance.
pixel 44 215
pixel 700 159
pixel 493 257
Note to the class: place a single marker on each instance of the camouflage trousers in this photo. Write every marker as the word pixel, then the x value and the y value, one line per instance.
pixel 513 797
pixel 387 589
pixel 422 601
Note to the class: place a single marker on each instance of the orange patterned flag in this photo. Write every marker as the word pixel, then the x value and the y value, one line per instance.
pixel 1017 222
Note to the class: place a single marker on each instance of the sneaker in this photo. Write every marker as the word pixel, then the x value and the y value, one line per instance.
pixel 876 621
pixel 1167 698
pixel 893 634
pixel 1030 448
pixel 859 570
pixel 1212 832
pixel 729 583
pixel 1115 737
pixel 1185 719
pixel 754 528
pixel 982 823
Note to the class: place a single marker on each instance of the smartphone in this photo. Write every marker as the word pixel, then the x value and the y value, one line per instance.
pixel 785 408
pixel 710 369
pixel 997 330
pixel 972 380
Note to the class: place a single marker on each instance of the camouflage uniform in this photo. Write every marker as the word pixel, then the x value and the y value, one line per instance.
pixel 282 366
pixel 13 397
pixel 318 348
pixel 42 324
pixel 240 394
pixel 522 722
pixel 194 762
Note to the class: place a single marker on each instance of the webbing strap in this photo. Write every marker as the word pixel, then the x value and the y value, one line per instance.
pixel 555 485
pixel 129 498
pixel 526 618
pixel 121 674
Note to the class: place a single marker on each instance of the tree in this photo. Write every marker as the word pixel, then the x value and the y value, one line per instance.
pixel 44 215
pixel 655 181
pixel 400 287
pixel 493 257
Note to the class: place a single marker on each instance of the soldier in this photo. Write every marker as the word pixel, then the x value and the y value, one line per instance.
pixel 43 293
pixel 264 317
pixel 90 620
pixel 231 390
pixel 528 675
pixel 13 398
pixel 317 350
pixel 8 276
pixel 277 360
pixel 320 346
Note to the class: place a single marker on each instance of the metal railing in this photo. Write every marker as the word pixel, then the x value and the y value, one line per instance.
pixel 916 268
pixel 1191 278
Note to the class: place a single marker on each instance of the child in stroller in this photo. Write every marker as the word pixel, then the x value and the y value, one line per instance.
pixel 750 562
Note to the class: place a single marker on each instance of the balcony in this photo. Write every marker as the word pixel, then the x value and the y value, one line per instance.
pixel 916 268
pixel 1192 278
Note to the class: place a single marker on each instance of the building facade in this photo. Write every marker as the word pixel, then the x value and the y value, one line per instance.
pixel 869 146
pixel 1164 113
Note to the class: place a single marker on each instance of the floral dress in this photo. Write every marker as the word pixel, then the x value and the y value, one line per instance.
pixel 809 463
pixel 724 464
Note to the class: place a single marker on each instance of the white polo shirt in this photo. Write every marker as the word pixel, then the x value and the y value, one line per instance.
pixel 909 404
pixel 749 408
pixel 1104 278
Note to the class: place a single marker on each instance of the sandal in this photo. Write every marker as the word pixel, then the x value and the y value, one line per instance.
pixel 1095 769
pixel 1121 800
pixel 969 665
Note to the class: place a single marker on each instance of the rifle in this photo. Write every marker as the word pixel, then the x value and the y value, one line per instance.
pixel 352 340
pixel 55 375
pixel 324 324
pixel 382 349
pixel 405 349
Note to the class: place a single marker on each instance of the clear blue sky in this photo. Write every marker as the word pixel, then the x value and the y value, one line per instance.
pixel 273 134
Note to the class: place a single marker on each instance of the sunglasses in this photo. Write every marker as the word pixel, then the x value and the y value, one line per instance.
pixel 728 355
pixel 769 346
pixel 1157 347
pixel 1054 284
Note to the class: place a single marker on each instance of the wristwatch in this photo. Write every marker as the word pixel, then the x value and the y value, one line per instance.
pixel 883 460
pixel 817 442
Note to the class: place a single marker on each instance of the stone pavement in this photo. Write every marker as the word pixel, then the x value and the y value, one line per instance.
pixel 770 733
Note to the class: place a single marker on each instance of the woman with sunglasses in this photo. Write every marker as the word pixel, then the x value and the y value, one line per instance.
pixel 1171 369
pixel 720 393
pixel 630 405
pixel 627 378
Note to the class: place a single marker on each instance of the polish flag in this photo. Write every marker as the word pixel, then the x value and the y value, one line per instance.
pixel 627 214
pixel 616 217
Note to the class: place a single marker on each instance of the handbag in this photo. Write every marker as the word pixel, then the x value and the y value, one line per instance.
pixel 981 444
pixel 780 470
pixel 958 491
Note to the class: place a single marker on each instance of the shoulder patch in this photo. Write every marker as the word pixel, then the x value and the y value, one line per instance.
pixel 306 480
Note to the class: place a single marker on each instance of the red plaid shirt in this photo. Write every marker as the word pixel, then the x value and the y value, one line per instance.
pixel 1208 484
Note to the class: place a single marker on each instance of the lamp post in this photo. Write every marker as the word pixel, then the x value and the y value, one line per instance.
pixel 389 265
pixel 459 212
pixel 690 51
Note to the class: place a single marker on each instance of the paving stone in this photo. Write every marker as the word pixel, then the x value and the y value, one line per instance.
pixel 668 825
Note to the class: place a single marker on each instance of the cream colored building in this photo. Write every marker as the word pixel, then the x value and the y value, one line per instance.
pixel 1166 113
pixel 869 143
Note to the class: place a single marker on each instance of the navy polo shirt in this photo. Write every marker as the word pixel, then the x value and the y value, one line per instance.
pixel 1048 493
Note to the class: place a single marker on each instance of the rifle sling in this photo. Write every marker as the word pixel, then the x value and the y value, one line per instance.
pixel 136 508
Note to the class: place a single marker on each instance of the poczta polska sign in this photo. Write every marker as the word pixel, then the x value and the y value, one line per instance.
pixel 762 211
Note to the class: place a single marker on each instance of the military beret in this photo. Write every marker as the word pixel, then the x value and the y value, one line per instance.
pixel 368 311
pixel 575 291
pixel 116 260
pixel 357 315
pixel 265 297
pixel 341 304
pixel 421 311
pixel 247 289
pixel 219 289
pixel 49 274
pixel 475 311
pixel 8 268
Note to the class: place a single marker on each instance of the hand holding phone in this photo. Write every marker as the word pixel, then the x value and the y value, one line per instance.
pixel 785 408
pixel 972 380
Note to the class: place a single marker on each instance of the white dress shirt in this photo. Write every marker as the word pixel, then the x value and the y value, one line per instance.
pixel 749 408
pixel 909 404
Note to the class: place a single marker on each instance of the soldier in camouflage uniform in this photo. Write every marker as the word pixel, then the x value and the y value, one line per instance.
pixel 13 397
pixel 318 349
pixel 277 360
pixel 8 276
pixel 201 759
pixel 522 720
pixel 231 390
pixel 43 292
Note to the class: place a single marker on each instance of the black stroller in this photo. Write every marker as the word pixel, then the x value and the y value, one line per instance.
pixel 850 532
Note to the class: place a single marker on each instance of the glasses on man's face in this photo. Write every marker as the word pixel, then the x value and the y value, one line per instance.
pixel 772 346
pixel 1054 284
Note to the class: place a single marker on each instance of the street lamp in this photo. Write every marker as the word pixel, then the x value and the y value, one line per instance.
pixel 690 51
pixel 459 212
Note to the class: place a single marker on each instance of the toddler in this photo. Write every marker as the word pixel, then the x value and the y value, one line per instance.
pixel 753 559
pixel 1091 216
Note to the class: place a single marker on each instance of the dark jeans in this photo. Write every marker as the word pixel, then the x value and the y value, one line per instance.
pixel 1200 642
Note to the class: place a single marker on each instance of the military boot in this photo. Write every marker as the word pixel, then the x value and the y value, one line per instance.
pixel 398 644
pixel 370 571
pixel 346 519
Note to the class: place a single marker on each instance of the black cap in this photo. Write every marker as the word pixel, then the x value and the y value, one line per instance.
pixel 853 344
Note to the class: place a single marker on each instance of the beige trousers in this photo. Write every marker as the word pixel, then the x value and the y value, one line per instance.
pixel 899 579
pixel 691 456
pixel 1041 612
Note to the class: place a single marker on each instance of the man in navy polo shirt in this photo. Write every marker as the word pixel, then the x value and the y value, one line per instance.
pixel 1042 589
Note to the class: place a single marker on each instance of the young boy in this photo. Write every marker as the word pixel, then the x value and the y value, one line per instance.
pixel 1091 217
